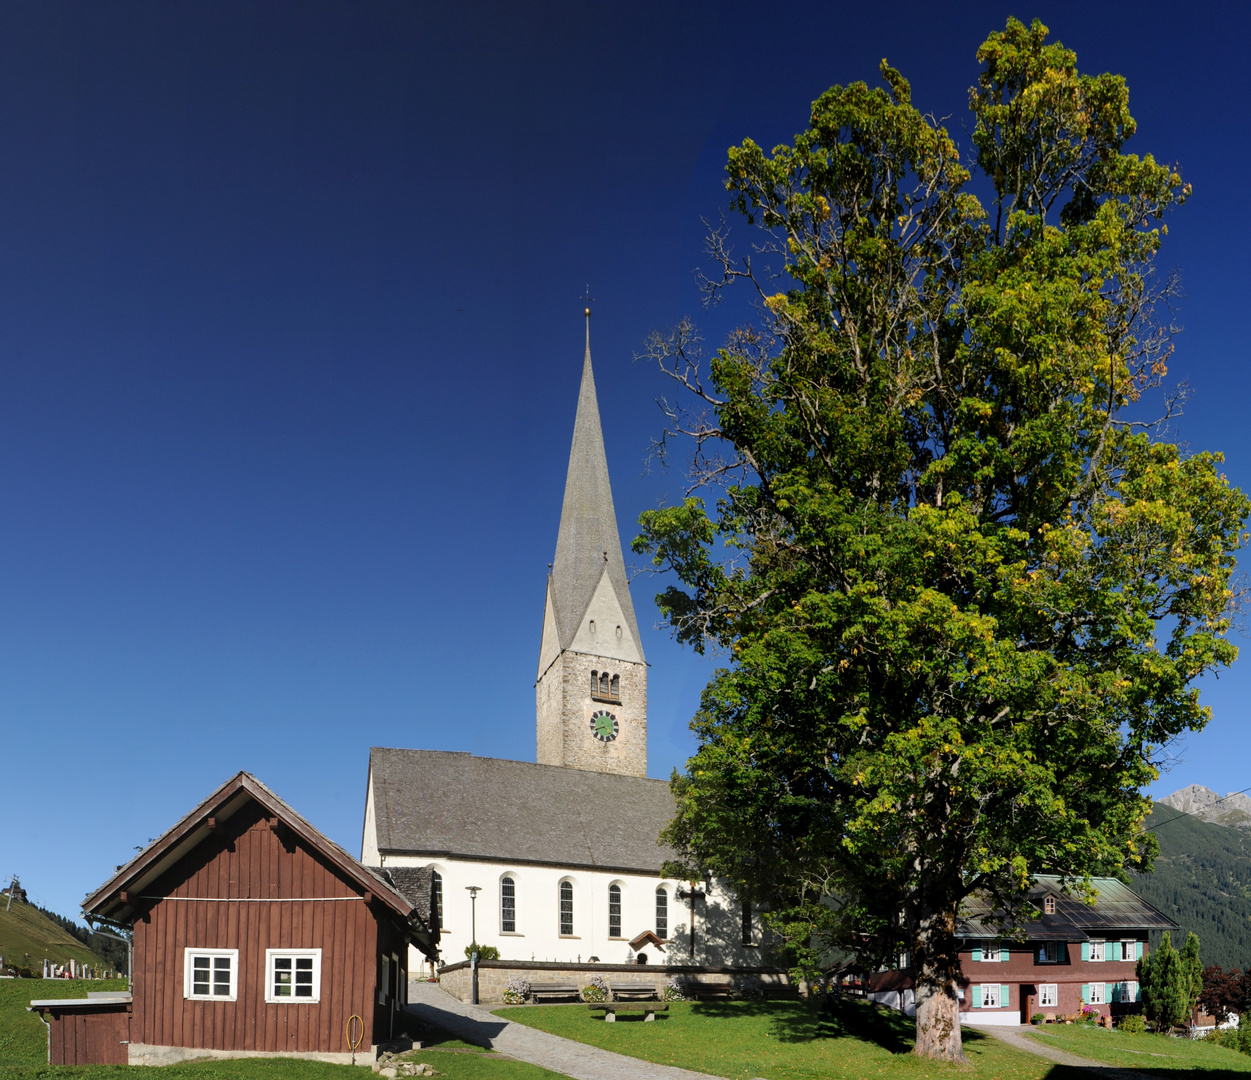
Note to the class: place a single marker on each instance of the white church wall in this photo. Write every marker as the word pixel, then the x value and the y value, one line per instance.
pixel 718 917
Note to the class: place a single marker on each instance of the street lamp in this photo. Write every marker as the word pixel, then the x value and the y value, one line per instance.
pixel 473 933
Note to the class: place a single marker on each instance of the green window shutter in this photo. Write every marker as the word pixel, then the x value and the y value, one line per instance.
pixel 1116 993
pixel 977 997
pixel 1063 953
pixel 1003 953
pixel 977 954
pixel 1085 993
pixel 1004 997
pixel 1138 950
pixel 1085 950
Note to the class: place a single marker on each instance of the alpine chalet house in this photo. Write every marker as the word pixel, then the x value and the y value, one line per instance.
pixel 1073 955
pixel 254 935
pixel 564 851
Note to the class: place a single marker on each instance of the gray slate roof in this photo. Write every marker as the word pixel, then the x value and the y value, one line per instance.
pixel 417 884
pixel 437 803
pixel 588 522
pixel 1117 908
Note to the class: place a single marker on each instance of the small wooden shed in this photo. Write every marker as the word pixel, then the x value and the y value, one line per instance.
pixel 254 935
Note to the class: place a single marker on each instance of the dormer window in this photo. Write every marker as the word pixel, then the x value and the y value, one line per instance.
pixel 1049 905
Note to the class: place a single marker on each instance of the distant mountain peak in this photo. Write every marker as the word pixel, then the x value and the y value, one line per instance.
pixel 1203 802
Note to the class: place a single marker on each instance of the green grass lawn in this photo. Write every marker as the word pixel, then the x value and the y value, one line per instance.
pixel 24 1050
pixel 781 1040
pixel 1150 1053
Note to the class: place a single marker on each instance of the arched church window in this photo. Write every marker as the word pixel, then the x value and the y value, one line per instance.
pixel 662 914
pixel 614 910
pixel 594 682
pixel 566 908
pixel 508 905
pixel 603 684
pixel 616 686
pixel 438 896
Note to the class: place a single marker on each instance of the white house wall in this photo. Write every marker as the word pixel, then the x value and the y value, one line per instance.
pixel 718 919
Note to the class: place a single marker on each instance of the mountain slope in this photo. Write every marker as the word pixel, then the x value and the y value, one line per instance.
pixel 1202 880
pixel 28 937
pixel 1203 802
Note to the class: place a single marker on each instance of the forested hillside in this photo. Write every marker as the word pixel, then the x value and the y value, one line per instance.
pixel 1202 879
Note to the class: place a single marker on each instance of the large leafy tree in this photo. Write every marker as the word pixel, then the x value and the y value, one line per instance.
pixel 964 593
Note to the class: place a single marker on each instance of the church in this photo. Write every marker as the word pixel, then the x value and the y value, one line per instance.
pixel 558 860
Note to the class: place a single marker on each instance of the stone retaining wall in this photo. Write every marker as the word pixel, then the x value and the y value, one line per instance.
pixel 493 976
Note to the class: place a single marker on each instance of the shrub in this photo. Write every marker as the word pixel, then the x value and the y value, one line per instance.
pixel 517 990
pixel 750 989
pixel 674 989
pixel 1037 1018
pixel 485 952
pixel 596 989
pixel 1133 1024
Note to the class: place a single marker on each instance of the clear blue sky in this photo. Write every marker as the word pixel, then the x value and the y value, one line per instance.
pixel 290 335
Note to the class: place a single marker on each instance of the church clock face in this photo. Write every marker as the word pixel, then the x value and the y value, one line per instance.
pixel 603 726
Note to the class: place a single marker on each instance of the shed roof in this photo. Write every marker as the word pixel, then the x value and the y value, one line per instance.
pixel 112 900
pixel 438 803
pixel 1116 908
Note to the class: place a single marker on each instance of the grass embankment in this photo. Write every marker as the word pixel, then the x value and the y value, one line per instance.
pixel 28 937
pixel 1151 1053
pixel 24 1049
pixel 781 1040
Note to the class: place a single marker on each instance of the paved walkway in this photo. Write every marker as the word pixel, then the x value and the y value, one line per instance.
pixel 1015 1038
pixel 476 1025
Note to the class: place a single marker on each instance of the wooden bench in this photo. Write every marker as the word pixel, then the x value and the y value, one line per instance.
pixel 611 1008
pixel 780 991
pixel 632 991
pixel 552 989
pixel 699 990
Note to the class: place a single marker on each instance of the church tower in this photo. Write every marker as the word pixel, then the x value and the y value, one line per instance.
pixel 591 694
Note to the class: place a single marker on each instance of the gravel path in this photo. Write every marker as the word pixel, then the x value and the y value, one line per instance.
pixel 475 1024
pixel 1014 1037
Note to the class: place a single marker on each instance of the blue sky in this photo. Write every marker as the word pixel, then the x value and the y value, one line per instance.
pixel 290 335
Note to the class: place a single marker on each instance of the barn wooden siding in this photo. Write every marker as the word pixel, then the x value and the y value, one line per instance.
pixel 238 871
pixel 88 1036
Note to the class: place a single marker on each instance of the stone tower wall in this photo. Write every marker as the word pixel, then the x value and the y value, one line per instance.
pixel 564 706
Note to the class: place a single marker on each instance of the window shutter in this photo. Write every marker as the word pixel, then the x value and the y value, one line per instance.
pixel 1085 950
pixel 977 997
pixel 1085 993
pixel 1004 998
pixel 1062 952
pixel 1003 953
pixel 977 953
pixel 1137 950
pixel 1116 993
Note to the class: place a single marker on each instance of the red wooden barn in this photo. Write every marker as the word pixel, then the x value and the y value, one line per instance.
pixel 254 935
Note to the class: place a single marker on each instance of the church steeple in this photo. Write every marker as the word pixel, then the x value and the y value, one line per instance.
pixel 590 634
pixel 588 546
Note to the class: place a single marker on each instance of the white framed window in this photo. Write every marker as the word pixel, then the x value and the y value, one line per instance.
pixel 1049 952
pixel 614 910
pixel 508 904
pixel 993 952
pixel 1096 995
pixel 566 909
pixel 1129 950
pixel 1096 950
pixel 1049 905
pixel 990 995
pixel 292 975
pixel 1048 995
pixel 210 974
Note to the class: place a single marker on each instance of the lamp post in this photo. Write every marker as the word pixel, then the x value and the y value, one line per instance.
pixel 473 933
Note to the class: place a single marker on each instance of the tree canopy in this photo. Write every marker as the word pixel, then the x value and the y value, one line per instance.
pixel 963 585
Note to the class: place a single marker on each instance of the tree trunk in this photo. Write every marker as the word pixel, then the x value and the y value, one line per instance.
pixel 936 968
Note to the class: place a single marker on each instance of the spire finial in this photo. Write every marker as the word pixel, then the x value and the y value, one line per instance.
pixel 588 299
